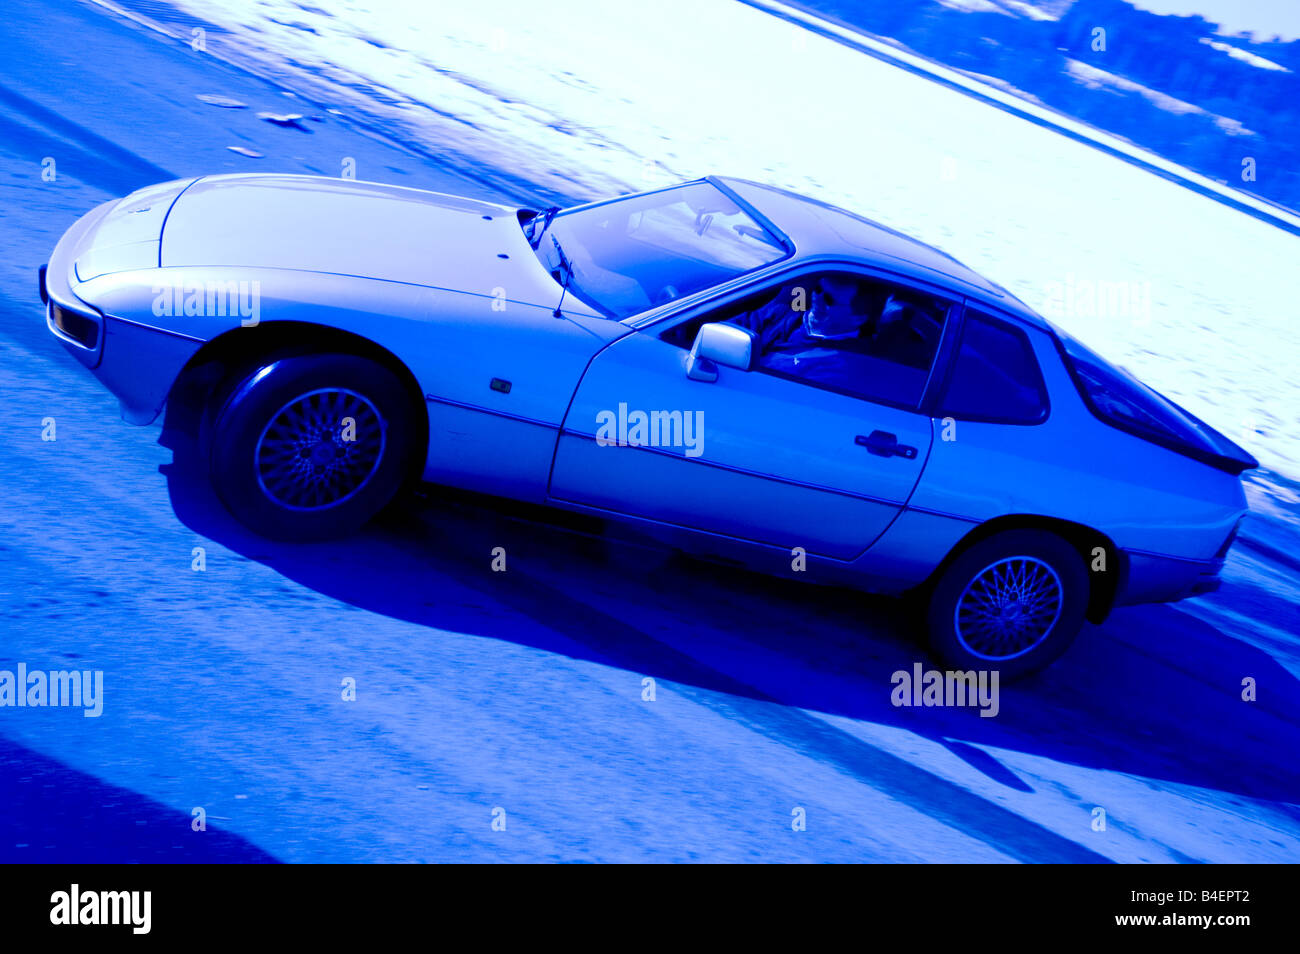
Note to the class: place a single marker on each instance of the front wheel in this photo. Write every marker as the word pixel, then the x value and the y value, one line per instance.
pixel 310 447
pixel 1013 602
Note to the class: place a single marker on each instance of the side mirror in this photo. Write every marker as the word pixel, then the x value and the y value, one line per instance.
pixel 718 343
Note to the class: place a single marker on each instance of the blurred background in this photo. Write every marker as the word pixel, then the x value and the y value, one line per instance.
pixel 1202 82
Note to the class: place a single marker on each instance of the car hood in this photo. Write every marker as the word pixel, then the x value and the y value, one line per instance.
pixel 347 227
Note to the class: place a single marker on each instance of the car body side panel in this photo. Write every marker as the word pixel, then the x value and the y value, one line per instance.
pixel 1160 579
pixel 142 383
pixel 454 344
pixel 489 452
pixel 912 547
pixel 1076 468
pixel 698 495
pixel 759 557
pixel 777 461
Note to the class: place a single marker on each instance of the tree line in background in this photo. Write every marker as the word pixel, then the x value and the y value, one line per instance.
pixel 1242 111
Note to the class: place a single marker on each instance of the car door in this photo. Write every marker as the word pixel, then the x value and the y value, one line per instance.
pixel 763 455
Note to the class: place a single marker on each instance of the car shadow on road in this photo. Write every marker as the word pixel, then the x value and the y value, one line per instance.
pixel 55 814
pixel 1154 692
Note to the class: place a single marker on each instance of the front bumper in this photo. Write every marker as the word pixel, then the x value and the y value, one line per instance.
pixel 81 332
pixel 1156 578
pixel 137 363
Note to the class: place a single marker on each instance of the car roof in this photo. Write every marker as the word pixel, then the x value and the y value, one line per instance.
pixel 821 230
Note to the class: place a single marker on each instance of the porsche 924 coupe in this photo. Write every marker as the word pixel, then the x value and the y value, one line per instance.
pixel 739 371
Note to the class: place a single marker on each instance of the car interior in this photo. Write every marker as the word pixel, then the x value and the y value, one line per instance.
pixel 878 342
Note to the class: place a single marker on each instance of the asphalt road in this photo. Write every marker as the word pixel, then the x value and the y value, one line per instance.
pixel 520 695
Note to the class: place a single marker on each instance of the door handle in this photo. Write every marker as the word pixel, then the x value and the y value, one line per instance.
pixel 885 444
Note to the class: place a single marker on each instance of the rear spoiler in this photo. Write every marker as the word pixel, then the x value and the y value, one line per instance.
pixel 1219 452
pixel 1229 455
pixel 1201 441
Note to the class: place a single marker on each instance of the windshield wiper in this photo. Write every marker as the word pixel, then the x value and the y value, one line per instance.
pixel 545 216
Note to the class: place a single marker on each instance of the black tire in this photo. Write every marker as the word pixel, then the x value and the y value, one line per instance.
pixel 284 459
pixel 1013 602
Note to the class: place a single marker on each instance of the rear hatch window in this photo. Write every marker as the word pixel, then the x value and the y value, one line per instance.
pixel 1122 401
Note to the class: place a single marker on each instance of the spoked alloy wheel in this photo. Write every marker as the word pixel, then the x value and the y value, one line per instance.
pixel 1012 602
pixel 320 449
pixel 1008 608
pixel 310 447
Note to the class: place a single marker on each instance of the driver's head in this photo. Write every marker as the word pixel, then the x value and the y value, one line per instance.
pixel 837 308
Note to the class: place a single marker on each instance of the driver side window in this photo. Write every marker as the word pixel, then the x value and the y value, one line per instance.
pixel 840 331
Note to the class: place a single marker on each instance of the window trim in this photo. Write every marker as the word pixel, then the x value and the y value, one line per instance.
pixel 943 359
pixel 757 215
pixel 978 311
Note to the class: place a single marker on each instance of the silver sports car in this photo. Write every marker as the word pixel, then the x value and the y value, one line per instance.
pixel 742 372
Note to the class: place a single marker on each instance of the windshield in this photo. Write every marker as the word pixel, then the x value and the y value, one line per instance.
pixel 629 255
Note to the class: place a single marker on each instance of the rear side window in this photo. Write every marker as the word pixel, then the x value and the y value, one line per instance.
pixel 995 376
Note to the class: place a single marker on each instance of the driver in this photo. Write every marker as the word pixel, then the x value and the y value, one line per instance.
pixel 843 317
pixel 843 310
pixel 801 317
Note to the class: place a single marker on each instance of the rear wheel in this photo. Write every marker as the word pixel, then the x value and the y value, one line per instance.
pixel 1013 602
pixel 310 447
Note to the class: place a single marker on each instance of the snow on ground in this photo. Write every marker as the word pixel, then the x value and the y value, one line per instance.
pixel 586 98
